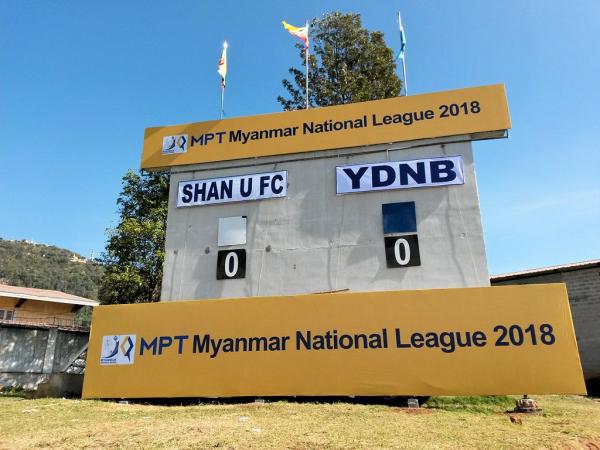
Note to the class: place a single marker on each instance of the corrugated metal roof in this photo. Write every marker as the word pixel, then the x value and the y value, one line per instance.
pixel 547 270
pixel 44 295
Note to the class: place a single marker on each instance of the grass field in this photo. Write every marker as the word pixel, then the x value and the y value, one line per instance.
pixel 480 422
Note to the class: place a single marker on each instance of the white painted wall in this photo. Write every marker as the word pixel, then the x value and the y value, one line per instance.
pixel 314 240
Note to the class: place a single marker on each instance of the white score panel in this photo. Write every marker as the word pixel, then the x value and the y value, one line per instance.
pixel 232 231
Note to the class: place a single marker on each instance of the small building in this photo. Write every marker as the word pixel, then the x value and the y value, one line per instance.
pixel 583 285
pixel 29 306
pixel 42 342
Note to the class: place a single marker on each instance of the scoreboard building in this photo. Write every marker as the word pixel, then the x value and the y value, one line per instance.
pixel 333 251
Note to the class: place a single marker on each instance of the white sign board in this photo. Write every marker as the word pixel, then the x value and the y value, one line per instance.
pixel 175 144
pixel 400 175
pixel 232 189
pixel 118 349
pixel 232 231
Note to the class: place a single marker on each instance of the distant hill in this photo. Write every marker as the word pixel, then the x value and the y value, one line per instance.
pixel 27 264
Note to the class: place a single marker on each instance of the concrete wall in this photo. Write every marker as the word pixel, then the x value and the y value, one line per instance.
pixel 583 286
pixel 315 241
pixel 28 356
pixel 60 385
pixel 22 349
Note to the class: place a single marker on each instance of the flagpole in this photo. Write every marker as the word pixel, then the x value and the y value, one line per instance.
pixel 404 76
pixel 306 55
pixel 403 53
pixel 222 99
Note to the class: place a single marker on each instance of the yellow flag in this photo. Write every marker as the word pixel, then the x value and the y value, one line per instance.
pixel 300 32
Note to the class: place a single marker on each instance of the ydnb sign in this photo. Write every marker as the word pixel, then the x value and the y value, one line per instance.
pixel 400 175
pixel 232 189
pixel 117 349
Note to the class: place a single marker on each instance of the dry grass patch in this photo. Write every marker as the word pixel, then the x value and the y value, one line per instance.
pixel 567 422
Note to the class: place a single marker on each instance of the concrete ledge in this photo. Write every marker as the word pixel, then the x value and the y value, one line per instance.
pixel 61 385
pixel 27 381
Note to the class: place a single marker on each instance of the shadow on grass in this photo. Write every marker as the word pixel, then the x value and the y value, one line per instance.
pixel 397 401
pixel 480 404
pixel 476 404
pixel 593 387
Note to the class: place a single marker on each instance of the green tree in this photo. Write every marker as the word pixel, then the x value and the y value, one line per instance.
pixel 347 64
pixel 135 250
pixel 43 266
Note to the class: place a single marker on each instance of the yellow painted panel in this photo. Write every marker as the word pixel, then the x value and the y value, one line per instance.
pixel 541 358
pixel 8 302
pixel 52 308
pixel 42 316
pixel 39 312
pixel 449 113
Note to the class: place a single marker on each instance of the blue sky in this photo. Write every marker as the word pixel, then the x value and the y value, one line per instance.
pixel 80 80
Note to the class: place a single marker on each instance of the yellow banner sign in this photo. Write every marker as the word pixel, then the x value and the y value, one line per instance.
pixel 473 341
pixel 450 113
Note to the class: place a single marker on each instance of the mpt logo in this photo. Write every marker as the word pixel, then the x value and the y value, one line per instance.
pixel 117 349
pixel 175 144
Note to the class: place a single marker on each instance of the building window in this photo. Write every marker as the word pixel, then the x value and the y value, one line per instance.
pixel 6 314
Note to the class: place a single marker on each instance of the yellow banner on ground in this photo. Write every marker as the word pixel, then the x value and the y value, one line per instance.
pixel 472 341
pixel 449 113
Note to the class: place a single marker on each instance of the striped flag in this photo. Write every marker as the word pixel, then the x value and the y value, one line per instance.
pixel 402 38
pixel 300 32
pixel 222 67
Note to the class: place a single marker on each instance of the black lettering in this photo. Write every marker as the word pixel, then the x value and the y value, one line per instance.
pixel 418 176
pixel 216 345
pixel 375 123
pixel 447 341
pixel 180 339
pixel 234 136
pixel 264 183
pixel 479 339
pixel 257 343
pixel 213 192
pixel 441 171
pixel 501 341
pixel 376 172
pixel 201 346
pixel 277 190
pixel 243 191
pixel 308 128
pixel 145 346
pixel 355 177
pixel 187 193
pixel 199 192
pixel 164 342
pixel 467 339
pixel 303 341
pixel 226 188
pixel 417 340
pixel 399 343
